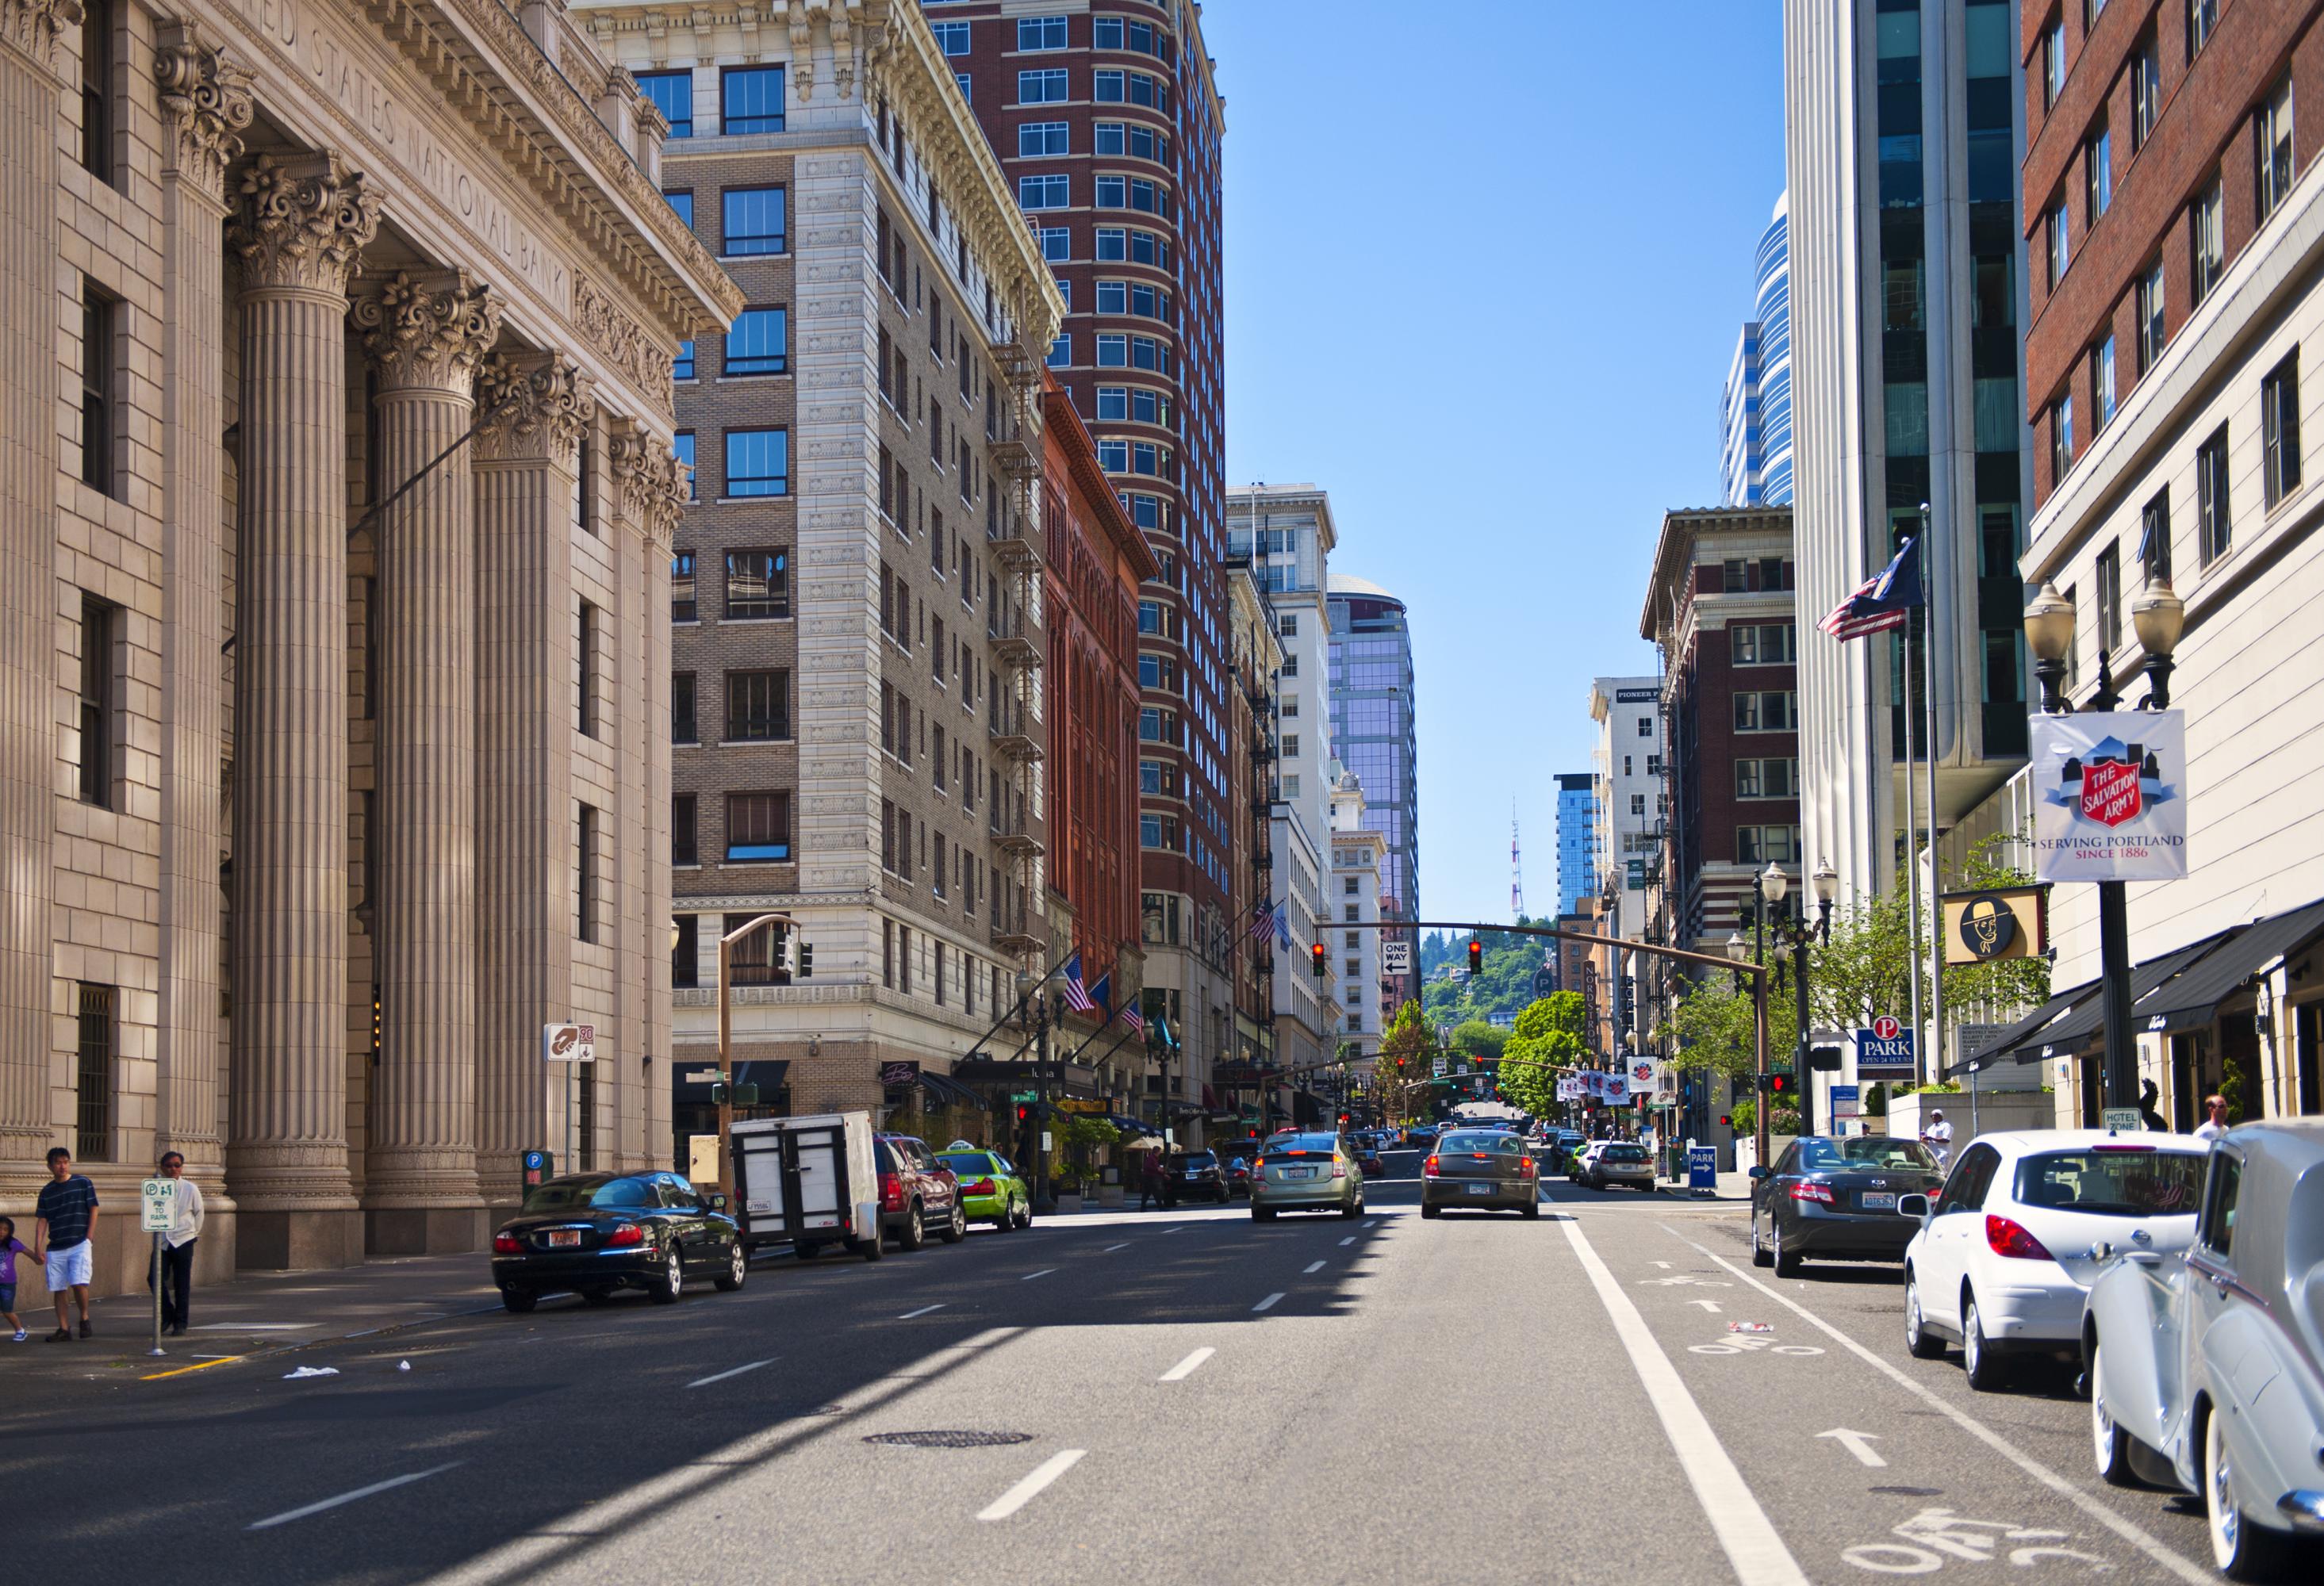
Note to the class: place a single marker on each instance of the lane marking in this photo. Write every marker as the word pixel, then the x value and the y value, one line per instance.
pixel 1110 1249
pixel 1167 1231
pixel 1267 1303
pixel 1858 1444
pixel 1187 1366
pixel 922 1310
pixel 1312 1267
pixel 1043 1272
pixel 737 1371
pixel 259 1326
pixel 1347 1242
pixel 181 1370
pixel 1709 1305
pixel 2136 1536
pixel 1027 1490
pixel 1742 1526
pixel 345 1497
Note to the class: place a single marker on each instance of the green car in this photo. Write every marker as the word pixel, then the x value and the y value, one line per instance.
pixel 990 1190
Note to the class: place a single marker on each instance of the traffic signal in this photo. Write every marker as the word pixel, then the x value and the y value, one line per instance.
pixel 1321 959
pixel 1726 1120
pixel 1776 1084
pixel 1476 956
pixel 1024 1114
pixel 1824 1059
pixel 805 961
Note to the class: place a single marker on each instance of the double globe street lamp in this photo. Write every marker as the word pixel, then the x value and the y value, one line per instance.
pixel 1769 888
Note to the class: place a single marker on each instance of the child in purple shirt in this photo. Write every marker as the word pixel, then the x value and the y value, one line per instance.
pixel 11 1247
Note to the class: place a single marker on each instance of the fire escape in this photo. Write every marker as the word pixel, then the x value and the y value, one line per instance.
pixel 1013 626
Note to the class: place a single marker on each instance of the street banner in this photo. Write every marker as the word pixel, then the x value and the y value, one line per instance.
pixel 1642 1076
pixel 1994 923
pixel 568 1043
pixel 2110 797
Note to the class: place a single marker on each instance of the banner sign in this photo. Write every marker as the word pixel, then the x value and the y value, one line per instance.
pixel 2110 797
pixel 1642 1075
pixel 1998 923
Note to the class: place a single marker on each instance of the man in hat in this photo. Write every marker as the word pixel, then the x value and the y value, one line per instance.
pixel 1938 1136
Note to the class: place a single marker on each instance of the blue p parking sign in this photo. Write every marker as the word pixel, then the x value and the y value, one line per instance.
pixel 1886 1051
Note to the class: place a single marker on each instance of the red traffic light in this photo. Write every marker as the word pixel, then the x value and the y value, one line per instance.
pixel 1476 956
pixel 1779 1084
pixel 1321 959
pixel 1024 1114
pixel 1725 1121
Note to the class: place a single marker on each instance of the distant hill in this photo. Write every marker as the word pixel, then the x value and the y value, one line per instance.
pixel 1505 988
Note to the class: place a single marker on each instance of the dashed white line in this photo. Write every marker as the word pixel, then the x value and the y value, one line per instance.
pixel 332 1503
pixel 1027 1490
pixel 922 1310
pixel 737 1371
pixel 1110 1249
pixel 1312 1267
pixel 1043 1272
pixel 1349 1240
pixel 1187 1366
pixel 1266 1303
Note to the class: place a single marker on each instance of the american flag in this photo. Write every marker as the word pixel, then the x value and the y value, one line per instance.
pixel 1133 1018
pixel 1078 995
pixel 1880 603
pixel 1261 916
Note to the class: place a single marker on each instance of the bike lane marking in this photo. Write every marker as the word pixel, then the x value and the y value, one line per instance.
pixel 2128 1530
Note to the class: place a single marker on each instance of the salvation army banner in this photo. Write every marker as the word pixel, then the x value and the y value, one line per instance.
pixel 1642 1076
pixel 2109 796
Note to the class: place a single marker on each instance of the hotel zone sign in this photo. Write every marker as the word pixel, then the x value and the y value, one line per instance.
pixel 2109 791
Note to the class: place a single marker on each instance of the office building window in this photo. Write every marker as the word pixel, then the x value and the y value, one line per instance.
pixel 1061 353
pixel 93 1073
pixel 1057 246
pixel 752 99
pixel 952 37
pixel 758 581
pixel 757 462
pixel 758 706
pixel 1045 87
pixel 2154 536
pixel 1040 33
pixel 2097 176
pixel 2150 316
pixel 2057 226
pixel 1767 779
pixel 759 342
pixel 96 385
pixel 682 727
pixel 1766 844
pixel 2202 22
pixel 1763 645
pixel 2061 439
pixel 1774 710
pixel 1037 140
pixel 681 829
pixel 99 672
pixel 2279 429
pixel 2145 93
pixel 2101 385
pixel 672 93
pixel 1044 192
pixel 2213 528
pixel 96 89
pixel 681 588
pixel 2109 597
pixel 2206 241
pixel 686 951
pixel 753 221
pixel 586 646
pixel 682 366
pixel 2272 156
pixel 2053 62
pixel 584 895
pixel 758 827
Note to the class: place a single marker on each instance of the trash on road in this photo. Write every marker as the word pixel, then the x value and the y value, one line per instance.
pixel 311 1371
pixel 403 1365
pixel 1750 1327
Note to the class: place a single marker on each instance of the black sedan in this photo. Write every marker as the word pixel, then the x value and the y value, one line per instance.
pixel 1834 1198
pixel 595 1233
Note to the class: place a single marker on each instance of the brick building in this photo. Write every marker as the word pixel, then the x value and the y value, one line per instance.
pixel 857 589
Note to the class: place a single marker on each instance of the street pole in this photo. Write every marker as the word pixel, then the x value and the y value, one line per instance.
pixel 1759 1044
pixel 2121 1072
pixel 725 1073
pixel 1800 994
pixel 1042 1201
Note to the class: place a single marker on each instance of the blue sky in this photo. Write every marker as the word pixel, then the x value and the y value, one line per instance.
pixel 1485 270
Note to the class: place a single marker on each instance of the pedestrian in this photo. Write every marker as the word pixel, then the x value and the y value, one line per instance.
pixel 64 1227
pixel 2215 1119
pixel 2148 1094
pixel 1150 1185
pixel 1939 1137
pixel 177 1252
pixel 11 1247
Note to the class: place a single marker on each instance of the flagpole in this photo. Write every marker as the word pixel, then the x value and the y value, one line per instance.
pixel 1936 884
pixel 1912 869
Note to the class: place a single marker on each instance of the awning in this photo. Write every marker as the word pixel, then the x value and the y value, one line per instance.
pixel 951 1092
pixel 2004 1047
pixel 2192 1000
pixel 2071 1034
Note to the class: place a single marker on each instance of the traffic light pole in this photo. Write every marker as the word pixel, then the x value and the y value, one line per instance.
pixel 726 945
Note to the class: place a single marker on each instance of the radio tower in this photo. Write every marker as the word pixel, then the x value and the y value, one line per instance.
pixel 1517 871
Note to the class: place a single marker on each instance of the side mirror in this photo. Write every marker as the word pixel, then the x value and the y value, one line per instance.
pixel 1914 1206
pixel 1758 1171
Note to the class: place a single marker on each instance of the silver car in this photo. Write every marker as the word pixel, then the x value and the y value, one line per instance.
pixel 1486 1169
pixel 1306 1173
pixel 1623 1162
pixel 2207 1370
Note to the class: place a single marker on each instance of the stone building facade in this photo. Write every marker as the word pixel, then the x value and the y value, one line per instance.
pixel 340 490
pixel 865 642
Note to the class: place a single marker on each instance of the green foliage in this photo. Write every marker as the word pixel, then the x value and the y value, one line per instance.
pixel 1875 1101
pixel 1547 1037
pixel 1713 1025
pixel 1476 1038
pixel 1783 1121
pixel 1399 1090
pixel 1504 986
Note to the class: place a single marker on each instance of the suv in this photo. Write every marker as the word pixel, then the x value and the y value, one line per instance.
pixel 1198 1176
pixel 917 1190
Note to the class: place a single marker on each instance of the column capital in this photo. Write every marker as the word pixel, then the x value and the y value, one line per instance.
pixel 542 401
pixel 429 330
pixel 655 486
pixel 302 222
pixel 32 27
pixel 207 99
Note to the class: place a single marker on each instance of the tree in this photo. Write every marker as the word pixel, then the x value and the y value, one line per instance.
pixel 1476 1038
pixel 1547 1038
pixel 1407 1055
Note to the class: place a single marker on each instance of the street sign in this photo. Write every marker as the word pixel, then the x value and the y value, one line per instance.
pixel 1702 1170
pixel 1844 1101
pixel 1023 1098
pixel 1396 956
pixel 2125 1120
pixel 158 1203
pixel 1886 1051
pixel 568 1043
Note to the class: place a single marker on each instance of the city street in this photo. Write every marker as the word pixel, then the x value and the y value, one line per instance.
pixel 1320 1398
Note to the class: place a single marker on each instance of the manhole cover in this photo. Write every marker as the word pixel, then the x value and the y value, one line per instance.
pixel 950 1439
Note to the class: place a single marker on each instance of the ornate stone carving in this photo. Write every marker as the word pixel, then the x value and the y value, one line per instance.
pixel 303 222
pixel 802 65
pixel 623 341
pixel 208 102
pixel 655 486
pixel 428 331
pixel 540 403
pixel 33 26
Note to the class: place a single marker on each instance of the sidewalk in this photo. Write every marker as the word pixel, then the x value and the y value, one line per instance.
pixel 255 1316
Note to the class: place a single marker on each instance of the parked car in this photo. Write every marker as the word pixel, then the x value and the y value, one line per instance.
pixel 1199 1176
pixel 597 1233
pixel 917 1193
pixel 2207 1373
pixel 1577 1165
pixel 1306 1173
pixel 1239 1177
pixel 1834 1198
pixel 992 1190
pixel 2007 1251
pixel 1421 1136
pixel 1486 1168
pixel 1619 1162
pixel 1562 1145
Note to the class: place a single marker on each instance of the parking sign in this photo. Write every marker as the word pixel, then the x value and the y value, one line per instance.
pixel 1886 1051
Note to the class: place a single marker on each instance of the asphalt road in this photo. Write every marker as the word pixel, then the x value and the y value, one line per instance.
pixel 1478 1397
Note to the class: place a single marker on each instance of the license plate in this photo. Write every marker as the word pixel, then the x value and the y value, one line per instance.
pixel 1192 1176
pixel 564 1238
pixel 1299 1173
pixel 1875 1200
pixel 1480 1189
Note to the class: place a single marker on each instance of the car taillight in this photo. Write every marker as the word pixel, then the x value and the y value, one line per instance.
pixel 626 1235
pixel 1525 1167
pixel 1339 1168
pixel 1820 1194
pixel 892 1192
pixel 1428 1169
pixel 977 1187
pixel 2007 1238
pixel 507 1244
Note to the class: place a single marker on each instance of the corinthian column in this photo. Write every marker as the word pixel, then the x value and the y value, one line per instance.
pixel 426 334
pixel 298 228
pixel 205 101
pixel 527 471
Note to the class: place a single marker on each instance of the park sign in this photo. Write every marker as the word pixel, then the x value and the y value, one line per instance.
pixel 158 1200
pixel 1885 1050
pixel 2110 799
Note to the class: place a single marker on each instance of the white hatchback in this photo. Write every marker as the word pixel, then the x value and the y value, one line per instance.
pixel 2022 1225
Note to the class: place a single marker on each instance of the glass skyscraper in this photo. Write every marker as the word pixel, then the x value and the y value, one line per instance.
pixel 1372 731
pixel 1577 840
pixel 1755 450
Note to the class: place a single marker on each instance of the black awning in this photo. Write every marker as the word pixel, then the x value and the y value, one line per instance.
pixel 950 1092
pixel 2192 1000
pixel 769 1074
pixel 2069 1034
pixel 2010 1045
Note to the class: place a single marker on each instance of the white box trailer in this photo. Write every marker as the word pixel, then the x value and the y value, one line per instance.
pixel 807 1183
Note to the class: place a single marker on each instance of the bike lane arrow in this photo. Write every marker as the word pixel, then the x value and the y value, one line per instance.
pixel 1858 1444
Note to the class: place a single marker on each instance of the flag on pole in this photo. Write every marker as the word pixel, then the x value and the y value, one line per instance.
pixel 1101 995
pixel 1880 603
pixel 1261 916
pixel 1281 916
pixel 1135 1019
pixel 1078 995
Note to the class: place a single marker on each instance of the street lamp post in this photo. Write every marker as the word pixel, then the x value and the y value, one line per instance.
pixel 1033 992
pixel 2157 616
pixel 1735 949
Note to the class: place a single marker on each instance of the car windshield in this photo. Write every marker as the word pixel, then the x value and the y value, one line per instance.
pixel 582 1194
pixel 1185 1159
pixel 967 1164
pixel 2118 1181
pixel 1473 1142
pixel 1325 1143
pixel 1623 1154
pixel 1866 1153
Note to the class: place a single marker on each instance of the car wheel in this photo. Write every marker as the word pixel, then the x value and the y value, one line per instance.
pixel 1530 1209
pixel 2242 1551
pixel 1759 1255
pixel 915 1231
pixel 1428 1210
pixel 738 1267
pixel 672 1281
pixel 955 1228
pixel 1986 1371
pixel 1786 1262
pixel 2109 1443
pixel 1024 1215
pixel 1262 1214
pixel 870 1250
pixel 1919 1342
pixel 1355 1206
pixel 519 1300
